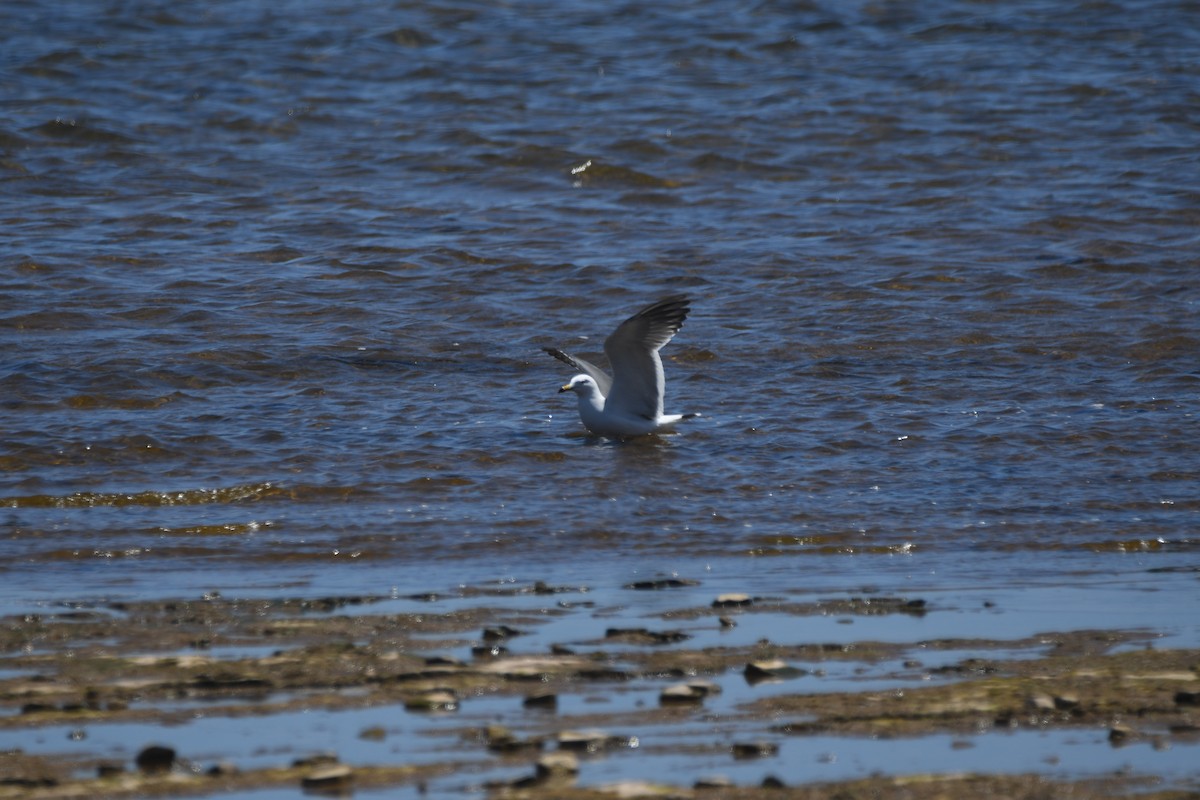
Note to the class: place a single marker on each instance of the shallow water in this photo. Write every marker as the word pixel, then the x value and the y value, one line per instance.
pixel 274 280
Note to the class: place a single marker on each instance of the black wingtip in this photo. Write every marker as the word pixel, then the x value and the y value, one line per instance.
pixel 560 355
pixel 672 310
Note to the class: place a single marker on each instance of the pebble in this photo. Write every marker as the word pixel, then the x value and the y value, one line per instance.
pixel 690 692
pixel 557 766
pixel 496 633
pixel 732 600
pixel 754 749
pixel 488 651
pixel 502 740
pixel 773 782
pixel 664 583
pixel 155 758
pixel 337 778
pixel 547 700
pixel 589 741
pixel 437 700
pixel 1120 732
pixel 1066 702
pixel 770 669
pixel 1040 702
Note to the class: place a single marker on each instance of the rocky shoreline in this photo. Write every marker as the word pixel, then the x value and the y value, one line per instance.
pixel 151 663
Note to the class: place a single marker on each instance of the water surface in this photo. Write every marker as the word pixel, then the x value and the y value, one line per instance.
pixel 274 280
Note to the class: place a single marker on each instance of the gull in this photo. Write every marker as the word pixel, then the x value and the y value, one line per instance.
pixel 630 403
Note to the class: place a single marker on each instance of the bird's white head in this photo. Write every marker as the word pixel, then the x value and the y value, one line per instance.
pixel 582 385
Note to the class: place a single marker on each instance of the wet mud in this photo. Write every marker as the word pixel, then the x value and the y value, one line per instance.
pixel 87 666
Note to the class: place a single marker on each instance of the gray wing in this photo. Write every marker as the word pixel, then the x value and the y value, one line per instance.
pixel 598 375
pixel 638 384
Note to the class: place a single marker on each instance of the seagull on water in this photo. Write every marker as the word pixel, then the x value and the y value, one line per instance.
pixel 630 403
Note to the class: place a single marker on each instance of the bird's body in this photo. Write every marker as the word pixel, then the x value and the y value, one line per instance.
pixel 630 403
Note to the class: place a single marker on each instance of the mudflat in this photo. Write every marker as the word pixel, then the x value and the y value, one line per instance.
pixel 495 691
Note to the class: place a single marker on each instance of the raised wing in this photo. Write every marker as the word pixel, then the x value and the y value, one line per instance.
pixel 598 375
pixel 632 350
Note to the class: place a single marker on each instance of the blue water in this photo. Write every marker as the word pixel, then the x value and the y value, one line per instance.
pixel 275 279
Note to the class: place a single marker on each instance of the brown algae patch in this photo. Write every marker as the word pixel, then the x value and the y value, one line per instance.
pixel 1081 689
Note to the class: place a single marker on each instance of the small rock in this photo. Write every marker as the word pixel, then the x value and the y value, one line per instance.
pixel 502 740
pixel 497 633
pixel 727 622
pixel 488 651
pixel 546 700
pixel 336 779
pixel 222 769
pixel 754 749
pixel 1120 733
pixel 557 767
pixel 663 583
pixel 770 669
pixel 713 782
pixel 680 694
pixel 1040 702
pixel 590 741
pixel 1066 702
pixel 1187 698
pixel 109 769
pixel 773 782
pixel 732 600
pixel 436 700
pixel 155 759
pixel 690 692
